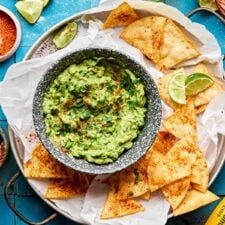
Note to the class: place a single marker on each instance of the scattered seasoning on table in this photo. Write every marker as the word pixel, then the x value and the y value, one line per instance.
pixel 7 33
pixel 2 151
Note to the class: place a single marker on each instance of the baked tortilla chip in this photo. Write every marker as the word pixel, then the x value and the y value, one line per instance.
pixel 163 171
pixel 117 208
pixel 133 182
pixel 194 200
pixel 43 165
pixel 202 68
pixel 182 123
pixel 176 191
pixel 146 196
pixel 123 15
pixel 204 97
pixel 146 34
pixel 200 109
pixel 67 187
pixel 163 87
pixel 164 142
pixel 200 172
pixel 186 151
pixel 176 47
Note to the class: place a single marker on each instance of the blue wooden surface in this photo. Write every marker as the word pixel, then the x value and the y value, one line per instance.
pixel 21 194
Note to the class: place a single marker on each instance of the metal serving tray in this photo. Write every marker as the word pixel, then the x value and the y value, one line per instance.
pixel 43 47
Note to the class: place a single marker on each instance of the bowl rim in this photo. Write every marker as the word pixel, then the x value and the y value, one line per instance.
pixel 18 33
pixel 64 158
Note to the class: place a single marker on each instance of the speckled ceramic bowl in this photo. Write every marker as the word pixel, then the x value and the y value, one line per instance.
pixel 140 145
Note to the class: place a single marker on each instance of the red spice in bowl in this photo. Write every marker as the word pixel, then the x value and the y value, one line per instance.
pixel 8 33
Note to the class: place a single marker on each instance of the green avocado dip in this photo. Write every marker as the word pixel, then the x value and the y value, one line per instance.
pixel 94 110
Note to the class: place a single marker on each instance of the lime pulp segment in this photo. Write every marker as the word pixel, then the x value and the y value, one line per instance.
pixel 177 87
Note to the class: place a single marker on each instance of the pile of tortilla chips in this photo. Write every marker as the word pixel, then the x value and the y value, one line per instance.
pixel 157 37
pixel 174 165
pixel 64 182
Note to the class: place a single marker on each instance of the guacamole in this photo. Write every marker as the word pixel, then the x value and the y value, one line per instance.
pixel 94 110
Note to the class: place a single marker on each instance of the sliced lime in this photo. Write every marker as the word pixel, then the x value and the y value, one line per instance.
pixel 197 82
pixel 65 35
pixel 30 9
pixel 45 2
pixel 211 4
pixel 177 87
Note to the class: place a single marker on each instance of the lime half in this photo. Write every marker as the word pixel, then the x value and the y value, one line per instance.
pixel 211 4
pixel 30 9
pixel 65 35
pixel 197 82
pixel 177 87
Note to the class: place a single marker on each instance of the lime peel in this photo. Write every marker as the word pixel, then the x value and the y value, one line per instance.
pixel 197 82
pixel 65 35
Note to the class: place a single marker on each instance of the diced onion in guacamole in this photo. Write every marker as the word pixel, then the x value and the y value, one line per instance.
pixel 94 110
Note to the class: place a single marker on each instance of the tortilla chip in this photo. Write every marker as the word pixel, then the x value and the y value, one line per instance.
pixel 164 142
pixel 206 96
pixel 194 200
pixel 67 188
pixel 43 165
pixel 200 172
pixel 123 15
pixel 176 191
pixel 163 171
pixel 202 68
pixel 186 151
pixel 163 87
pixel 146 34
pixel 200 109
pixel 133 182
pixel 116 208
pixel 176 47
pixel 182 123
pixel 146 196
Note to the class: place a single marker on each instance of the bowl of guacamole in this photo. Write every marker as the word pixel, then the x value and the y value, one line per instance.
pixel 97 110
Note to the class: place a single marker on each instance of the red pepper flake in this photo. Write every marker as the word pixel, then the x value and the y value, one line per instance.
pixel 7 33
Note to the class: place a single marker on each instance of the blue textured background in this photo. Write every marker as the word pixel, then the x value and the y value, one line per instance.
pixel 21 194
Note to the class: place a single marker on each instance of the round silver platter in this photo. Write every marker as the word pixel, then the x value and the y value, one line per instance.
pixel 42 47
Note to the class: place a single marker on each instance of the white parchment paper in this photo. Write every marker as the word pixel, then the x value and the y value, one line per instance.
pixel 17 90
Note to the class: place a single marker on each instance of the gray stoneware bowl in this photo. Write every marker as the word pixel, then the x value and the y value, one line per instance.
pixel 140 145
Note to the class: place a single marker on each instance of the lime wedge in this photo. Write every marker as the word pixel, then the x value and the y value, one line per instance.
pixel 65 35
pixel 177 87
pixel 211 4
pixel 30 9
pixel 45 2
pixel 197 82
